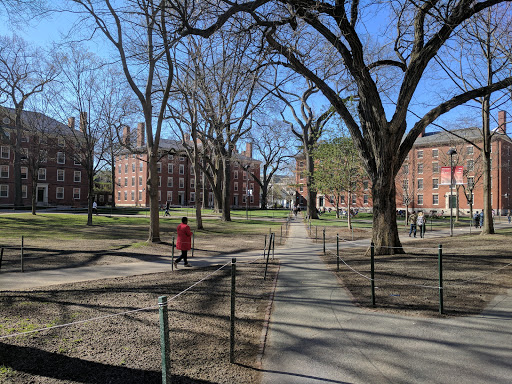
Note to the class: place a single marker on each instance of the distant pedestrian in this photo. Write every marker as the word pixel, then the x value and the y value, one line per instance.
pixel 95 208
pixel 482 218
pixel 167 207
pixel 184 242
pixel 412 221
pixel 476 219
pixel 509 217
pixel 420 222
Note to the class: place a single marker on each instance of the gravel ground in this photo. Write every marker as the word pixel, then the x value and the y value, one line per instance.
pixel 126 348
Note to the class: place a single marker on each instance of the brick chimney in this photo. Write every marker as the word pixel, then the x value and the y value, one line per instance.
pixel 422 133
pixel 71 122
pixel 502 122
pixel 83 122
pixel 126 135
pixel 140 135
pixel 248 150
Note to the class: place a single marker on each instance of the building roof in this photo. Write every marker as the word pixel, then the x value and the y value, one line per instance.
pixel 34 120
pixel 447 137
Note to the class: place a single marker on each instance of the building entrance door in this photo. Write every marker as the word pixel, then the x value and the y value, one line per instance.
pixel 235 200
pixel 181 198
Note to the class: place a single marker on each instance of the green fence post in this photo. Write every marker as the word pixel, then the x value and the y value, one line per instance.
pixel 265 246
pixel 372 261
pixel 273 244
pixel 316 234
pixel 164 339
pixel 268 256
pixel 232 318
pixel 193 245
pixel 337 252
pixel 22 241
pixel 281 239
pixel 440 266
pixel 1 257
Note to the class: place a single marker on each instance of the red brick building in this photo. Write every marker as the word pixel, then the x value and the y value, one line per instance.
pixel 61 181
pixel 176 178
pixel 418 184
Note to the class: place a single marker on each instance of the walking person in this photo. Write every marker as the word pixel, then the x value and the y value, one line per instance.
pixel 509 217
pixel 412 221
pixel 482 218
pixel 476 219
pixel 420 222
pixel 184 242
pixel 95 208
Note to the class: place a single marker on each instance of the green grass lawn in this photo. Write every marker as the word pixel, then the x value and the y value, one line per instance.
pixel 73 226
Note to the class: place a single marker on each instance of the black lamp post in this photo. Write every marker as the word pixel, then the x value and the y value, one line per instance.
pixel 451 152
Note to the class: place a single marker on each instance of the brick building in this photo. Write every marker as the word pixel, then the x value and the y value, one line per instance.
pixel 61 181
pixel 176 181
pixel 418 184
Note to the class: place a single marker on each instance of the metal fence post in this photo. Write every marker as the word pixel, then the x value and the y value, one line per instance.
pixel 273 244
pixel 337 252
pixel 265 246
pixel 324 241
pixel 172 255
pixel 316 234
pixel 440 266
pixel 22 241
pixel 372 261
pixel 268 256
pixel 193 245
pixel 232 317
pixel 164 339
pixel 1 257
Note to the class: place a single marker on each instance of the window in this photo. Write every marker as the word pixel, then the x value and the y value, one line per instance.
pixel 182 158
pixel 59 193
pixel 469 150
pixel 125 195
pixel 181 170
pixel 126 168
pixel 244 199
pixel 420 154
pixel 169 194
pixel 5 152
pixel 140 195
pixel 406 185
pixel 471 165
pixel 24 172
pixel 119 169
pixel 170 168
pixel 420 199
pixel 365 184
pixel 41 175
pixel 435 183
pixel 61 142
pixel 141 166
pixel 43 156
pixel 301 189
pixel 126 158
pixel 235 186
pixel 60 175
pixel 159 167
pixel 24 193
pixel 191 169
pixel 245 175
pixel 192 197
pixel 159 181
pixel 61 158
pixel 133 195
pixel 133 181
pixel 435 153
pixel 159 195
pixel 182 182
pixel 406 169
pixel 119 181
pixel 170 157
pixel 133 167
pixel 76 193
pixel 435 167
pixel 170 182
pixel 354 199
pixel 252 199
pixel 140 181
pixel 435 199
pixel 365 199
pixel 235 175
pixel 471 182
pixel 244 187
pixel 420 183
pixel 4 191
pixel 77 176
pixel 119 196
pixel 342 199
pixel 192 183
pixel 125 181
pixel 420 168
pixel 78 159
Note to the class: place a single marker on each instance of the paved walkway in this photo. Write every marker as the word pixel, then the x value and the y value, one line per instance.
pixel 318 336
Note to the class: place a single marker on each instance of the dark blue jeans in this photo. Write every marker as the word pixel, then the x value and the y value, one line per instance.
pixel 413 229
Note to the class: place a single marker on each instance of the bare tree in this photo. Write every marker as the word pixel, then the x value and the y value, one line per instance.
pixel 308 129
pixel 273 145
pixel 23 73
pixel 417 30
pixel 138 32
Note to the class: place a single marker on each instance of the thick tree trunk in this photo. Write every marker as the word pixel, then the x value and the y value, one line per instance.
pixel 264 196
pixel 198 191
pixel 34 194
pixel 226 190
pixel 311 203
pixel 90 195
pixel 488 227
pixel 17 160
pixel 154 214
pixel 349 217
pixel 385 231
pixel 113 182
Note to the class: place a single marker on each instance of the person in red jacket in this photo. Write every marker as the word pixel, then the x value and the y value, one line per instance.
pixel 184 242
